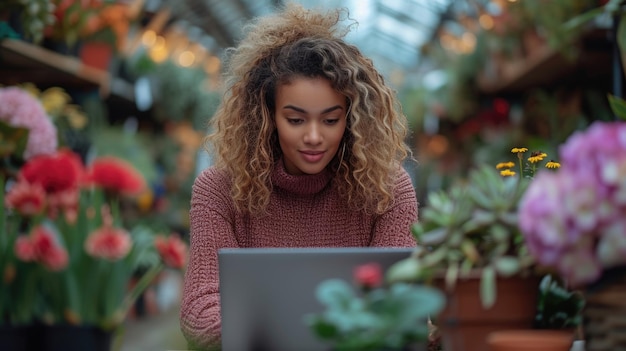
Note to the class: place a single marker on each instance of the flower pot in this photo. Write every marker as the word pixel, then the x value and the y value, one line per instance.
pixel 464 324
pixel 17 338
pixel 75 338
pixel 97 55
pixel 530 340
pixel 604 314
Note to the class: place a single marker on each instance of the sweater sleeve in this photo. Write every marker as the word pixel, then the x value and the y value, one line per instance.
pixel 393 228
pixel 211 228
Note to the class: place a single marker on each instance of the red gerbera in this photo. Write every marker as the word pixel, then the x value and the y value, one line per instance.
pixel 116 175
pixel 55 173
pixel 47 250
pixel 172 250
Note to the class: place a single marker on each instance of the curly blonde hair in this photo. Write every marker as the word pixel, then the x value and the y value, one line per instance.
pixel 298 42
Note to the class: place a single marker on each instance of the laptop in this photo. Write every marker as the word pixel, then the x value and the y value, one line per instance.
pixel 266 292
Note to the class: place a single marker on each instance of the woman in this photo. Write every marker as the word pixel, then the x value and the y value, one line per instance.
pixel 308 145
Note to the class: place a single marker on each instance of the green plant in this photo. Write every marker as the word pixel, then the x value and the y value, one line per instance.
pixel 376 317
pixel 558 307
pixel 470 227
pixel 34 16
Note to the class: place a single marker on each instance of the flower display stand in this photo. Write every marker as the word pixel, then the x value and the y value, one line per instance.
pixel 465 325
pixel 75 338
pixel 15 338
pixel 604 315
pixel 42 337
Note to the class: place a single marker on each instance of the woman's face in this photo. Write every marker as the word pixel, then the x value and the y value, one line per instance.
pixel 310 120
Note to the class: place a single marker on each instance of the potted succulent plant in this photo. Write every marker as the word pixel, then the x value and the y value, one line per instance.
pixel 470 246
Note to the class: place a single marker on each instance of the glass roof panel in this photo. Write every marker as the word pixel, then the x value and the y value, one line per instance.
pixel 389 31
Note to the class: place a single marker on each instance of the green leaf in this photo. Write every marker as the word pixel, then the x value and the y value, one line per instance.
pixel 408 269
pixel 618 106
pixel 452 274
pixel 488 293
pixel 434 237
pixel 418 301
pixel 323 329
pixel 13 140
pixel 334 293
pixel 507 266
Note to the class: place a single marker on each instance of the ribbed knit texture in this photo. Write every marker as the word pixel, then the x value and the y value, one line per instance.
pixel 304 211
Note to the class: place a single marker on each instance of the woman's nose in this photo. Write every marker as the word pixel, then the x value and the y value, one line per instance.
pixel 313 134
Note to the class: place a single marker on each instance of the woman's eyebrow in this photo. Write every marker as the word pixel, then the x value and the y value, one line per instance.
pixel 325 111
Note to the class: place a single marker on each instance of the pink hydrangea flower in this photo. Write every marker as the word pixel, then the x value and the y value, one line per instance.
pixel 573 219
pixel 18 108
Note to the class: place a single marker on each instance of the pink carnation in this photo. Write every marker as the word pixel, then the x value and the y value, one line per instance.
pixel 20 109
pixel 27 199
pixel 108 243
pixel 47 250
pixel 25 249
pixel 56 259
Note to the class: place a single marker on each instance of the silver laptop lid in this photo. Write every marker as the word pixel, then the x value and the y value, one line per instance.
pixel 266 292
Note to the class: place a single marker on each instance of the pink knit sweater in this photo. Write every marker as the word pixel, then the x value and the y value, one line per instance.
pixel 304 211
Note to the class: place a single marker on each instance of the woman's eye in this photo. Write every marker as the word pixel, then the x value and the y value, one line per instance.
pixel 331 121
pixel 294 121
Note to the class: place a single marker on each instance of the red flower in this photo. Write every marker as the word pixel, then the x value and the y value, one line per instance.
pixel 368 275
pixel 56 173
pixel 108 243
pixel 25 249
pixel 172 249
pixel 116 175
pixel 55 259
pixel 65 201
pixel 53 256
pixel 27 199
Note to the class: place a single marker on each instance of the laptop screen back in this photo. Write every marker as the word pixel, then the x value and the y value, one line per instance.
pixel 266 292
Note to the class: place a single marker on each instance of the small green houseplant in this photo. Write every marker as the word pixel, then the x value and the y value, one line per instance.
pixel 374 316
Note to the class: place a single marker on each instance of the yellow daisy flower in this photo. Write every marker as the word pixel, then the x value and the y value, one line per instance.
pixel 507 173
pixel 502 165
pixel 519 150
pixel 553 164
pixel 537 156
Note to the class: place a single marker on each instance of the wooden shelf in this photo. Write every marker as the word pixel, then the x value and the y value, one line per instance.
pixel 548 66
pixel 22 62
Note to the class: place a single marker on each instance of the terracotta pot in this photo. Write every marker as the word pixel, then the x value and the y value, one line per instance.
pixel 464 324
pixel 530 340
pixel 96 55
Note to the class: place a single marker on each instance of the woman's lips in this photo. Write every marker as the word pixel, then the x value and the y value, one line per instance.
pixel 312 156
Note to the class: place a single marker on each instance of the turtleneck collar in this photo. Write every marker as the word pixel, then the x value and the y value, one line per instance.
pixel 307 184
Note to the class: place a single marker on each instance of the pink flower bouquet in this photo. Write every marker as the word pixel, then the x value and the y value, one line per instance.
pixel 574 219
pixel 65 256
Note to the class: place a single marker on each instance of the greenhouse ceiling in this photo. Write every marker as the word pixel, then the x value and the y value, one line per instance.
pixel 391 32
